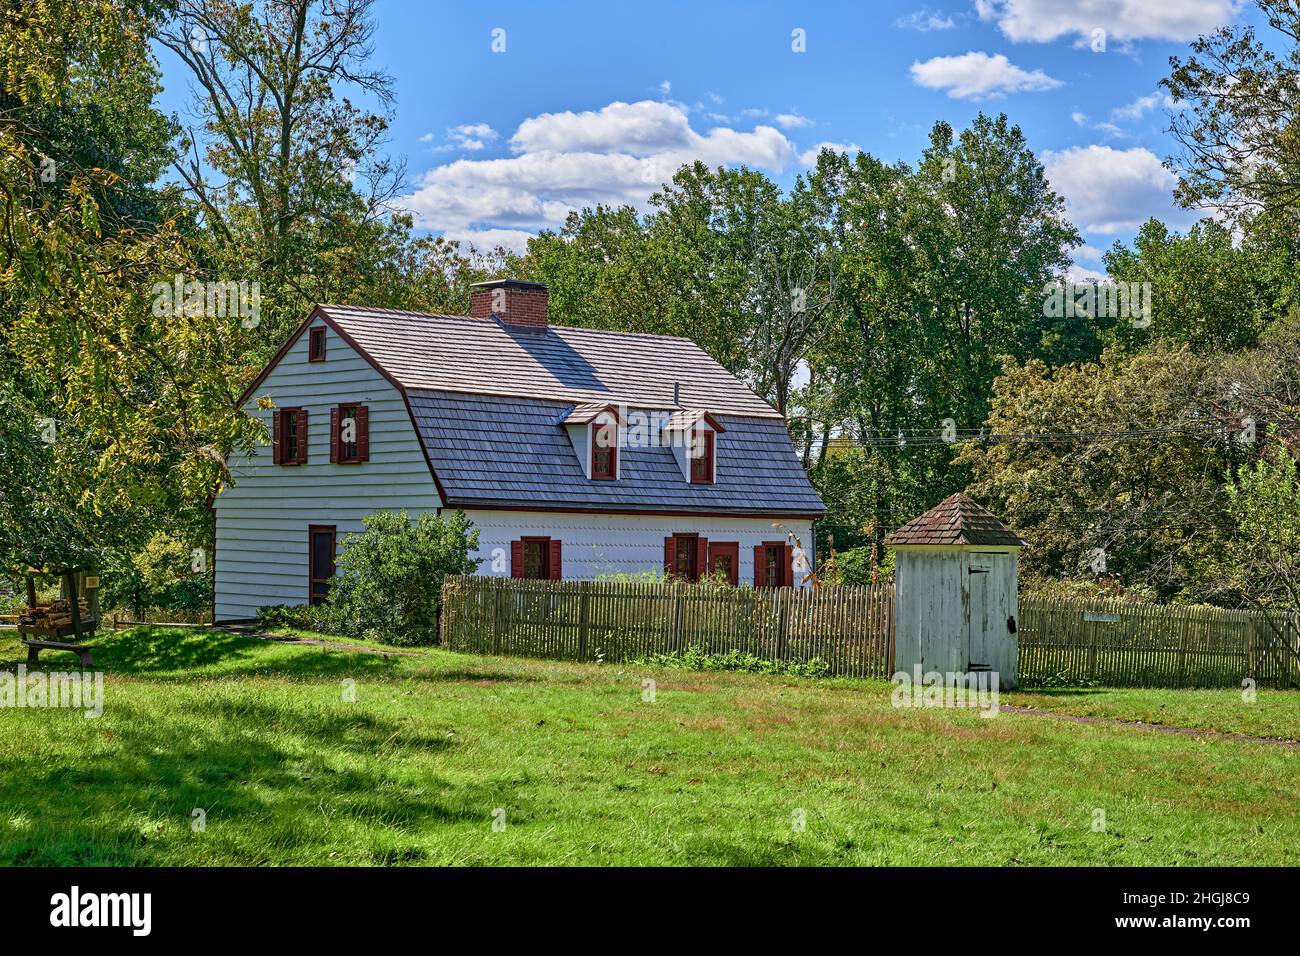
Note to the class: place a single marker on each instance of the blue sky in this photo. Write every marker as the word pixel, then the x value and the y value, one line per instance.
pixel 598 102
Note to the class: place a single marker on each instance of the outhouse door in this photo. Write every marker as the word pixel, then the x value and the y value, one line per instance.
pixel 988 610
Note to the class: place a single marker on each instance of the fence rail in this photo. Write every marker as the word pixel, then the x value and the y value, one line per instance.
pixel 850 628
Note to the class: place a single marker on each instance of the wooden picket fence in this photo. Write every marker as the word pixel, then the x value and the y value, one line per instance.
pixel 1117 644
pixel 1110 643
pixel 850 628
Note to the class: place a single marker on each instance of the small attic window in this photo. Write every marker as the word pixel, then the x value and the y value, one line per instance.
pixel 604 449
pixel 702 458
pixel 316 344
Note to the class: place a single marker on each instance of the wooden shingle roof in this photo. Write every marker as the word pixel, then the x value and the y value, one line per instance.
pixel 956 520
pixel 586 366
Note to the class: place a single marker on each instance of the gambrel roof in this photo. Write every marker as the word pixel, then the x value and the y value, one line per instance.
pixel 957 519
pixel 531 460
pixel 490 403
pixel 489 357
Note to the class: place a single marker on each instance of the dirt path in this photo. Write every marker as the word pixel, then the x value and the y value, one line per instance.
pixel 1143 725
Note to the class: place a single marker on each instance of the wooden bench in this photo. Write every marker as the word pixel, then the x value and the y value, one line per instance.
pixel 35 647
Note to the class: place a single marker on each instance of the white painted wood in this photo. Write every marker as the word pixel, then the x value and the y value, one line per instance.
pixel 262 518
pixel 953 603
pixel 597 545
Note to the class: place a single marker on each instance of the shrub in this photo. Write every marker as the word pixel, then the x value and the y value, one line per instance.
pixel 389 582
pixel 696 658
pixel 301 617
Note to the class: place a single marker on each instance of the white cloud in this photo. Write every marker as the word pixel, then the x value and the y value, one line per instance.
pixel 978 76
pixel 516 240
pixel 1109 191
pixel 753 113
pixel 924 20
pixel 468 137
pixel 1080 119
pixel 1088 253
pixel 1041 21
pixel 619 154
pixel 791 121
pixel 809 156
pixel 1141 106
pixel 1078 274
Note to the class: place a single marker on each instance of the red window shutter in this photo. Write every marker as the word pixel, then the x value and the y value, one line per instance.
pixel 517 559
pixel 702 568
pixel 276 457
pixel 363 433
pixel 789 566
pixel 302 436
pixel 670 557
pixel 556 559
pixel 760 566
pixel 334 435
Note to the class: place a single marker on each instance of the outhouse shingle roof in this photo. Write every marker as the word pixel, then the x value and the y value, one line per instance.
pixel 957 519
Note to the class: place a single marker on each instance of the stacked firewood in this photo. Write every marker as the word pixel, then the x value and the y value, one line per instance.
pixel 53 614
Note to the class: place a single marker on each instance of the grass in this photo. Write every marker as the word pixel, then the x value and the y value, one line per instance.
pixel 712 772
pixel 1274 713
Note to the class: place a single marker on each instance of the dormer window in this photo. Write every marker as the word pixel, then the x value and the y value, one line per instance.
pixel 604 449
pixel 702 458
pixel 693 436
pixel 316 344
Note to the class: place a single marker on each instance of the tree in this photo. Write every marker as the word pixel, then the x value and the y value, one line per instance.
pixel 1239 122
pixel 116 413
pixel 1113 470
pixel 1264 498
pixel 284 171
pixel 1209 289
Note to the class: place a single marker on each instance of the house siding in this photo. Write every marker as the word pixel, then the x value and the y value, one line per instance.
pixel 262 517
pixel 603 544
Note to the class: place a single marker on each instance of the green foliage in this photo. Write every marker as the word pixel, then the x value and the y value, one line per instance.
pixel 299 617
pixel 1062 680
pixel 698 659
pixel 389 583
pixel 1210 290
pixel 1265 500
pixel 1152 502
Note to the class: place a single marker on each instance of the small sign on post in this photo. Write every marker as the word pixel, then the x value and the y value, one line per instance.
pixel 1103 617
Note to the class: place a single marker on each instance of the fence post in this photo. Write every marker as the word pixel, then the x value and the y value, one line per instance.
pixel 584 617
pixel 499 593
pixel 782 623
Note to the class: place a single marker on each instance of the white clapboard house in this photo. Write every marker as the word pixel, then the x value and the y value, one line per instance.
pixel 577 453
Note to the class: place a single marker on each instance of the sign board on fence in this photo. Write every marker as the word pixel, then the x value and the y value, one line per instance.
pixel 1102 616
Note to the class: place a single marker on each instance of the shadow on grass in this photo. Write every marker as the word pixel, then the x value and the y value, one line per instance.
pixel 278 782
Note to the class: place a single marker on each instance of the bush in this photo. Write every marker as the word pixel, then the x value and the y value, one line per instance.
pixel 696 658
pixel 158 578
pixel 299 617
pixel 389 582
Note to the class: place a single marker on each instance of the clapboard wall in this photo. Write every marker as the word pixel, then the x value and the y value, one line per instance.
pixel 262 517
pixel 606 545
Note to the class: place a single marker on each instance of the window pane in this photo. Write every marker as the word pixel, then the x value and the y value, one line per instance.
pixel 290 436
pixel 684 562
pixel 534 559
pixel 772 563
pixel 348 427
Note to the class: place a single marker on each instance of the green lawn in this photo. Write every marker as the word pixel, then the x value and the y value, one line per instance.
pixel 713 772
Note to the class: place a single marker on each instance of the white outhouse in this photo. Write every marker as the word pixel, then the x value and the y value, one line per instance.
pixel 956 580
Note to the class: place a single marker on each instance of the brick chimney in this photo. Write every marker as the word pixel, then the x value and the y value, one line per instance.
pixel 510 300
